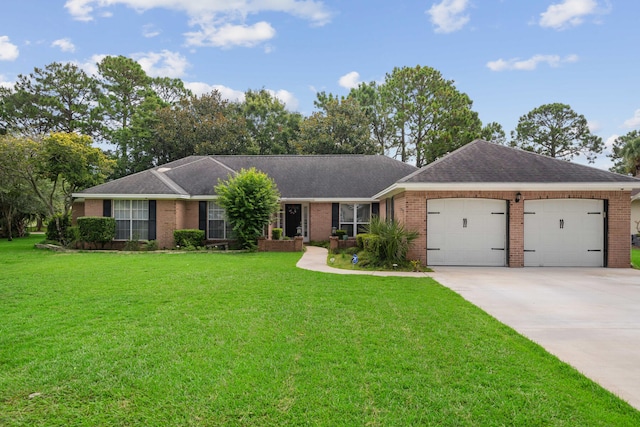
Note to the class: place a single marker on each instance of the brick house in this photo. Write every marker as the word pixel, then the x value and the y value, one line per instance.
pixel 318 193
pixel 484 204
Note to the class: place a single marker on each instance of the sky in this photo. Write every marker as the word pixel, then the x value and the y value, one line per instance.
pixel 508 56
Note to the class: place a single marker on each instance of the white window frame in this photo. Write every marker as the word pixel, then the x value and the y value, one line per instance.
pixel 217 213
pixel 354 223
pixel 132 212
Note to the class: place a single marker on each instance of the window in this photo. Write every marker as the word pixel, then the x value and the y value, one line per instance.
pixel 389 209
pixel 217 225
pixel 132 219
pixel 354 217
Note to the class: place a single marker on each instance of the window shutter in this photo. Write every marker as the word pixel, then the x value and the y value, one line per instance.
pixel 375 209
pixel 202 216
pixel 106 208
pixel 335 215
pixel 152 220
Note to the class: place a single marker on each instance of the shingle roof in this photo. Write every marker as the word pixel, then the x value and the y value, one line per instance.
pixel 330 176
pixel 485 162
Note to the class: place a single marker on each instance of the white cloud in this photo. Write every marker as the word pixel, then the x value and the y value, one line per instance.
pixel 634 121
pixel 448 15
pixel 91 66
pixel 149 31
pixel 608 143
pixel 531 63
pixel 200 88
pixel 594 127
pixel 5 83
pixel 350 80
pixel 65 45
pixel 286 97
pixel 162 64
pixel 568 13
pixel 229 35
pixel 8 50
pixel 221 23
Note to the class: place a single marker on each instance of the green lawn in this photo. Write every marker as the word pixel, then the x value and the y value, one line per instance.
pixel 248 339
pixel 635 257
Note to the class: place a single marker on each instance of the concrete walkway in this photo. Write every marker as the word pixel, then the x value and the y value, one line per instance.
pixel 587 317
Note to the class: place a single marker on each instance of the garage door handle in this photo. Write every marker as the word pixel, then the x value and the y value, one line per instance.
pixel 433 249
pixel 529 250
pixel 497 249
pixel 464 222
pixel 594 250
pixel 561 223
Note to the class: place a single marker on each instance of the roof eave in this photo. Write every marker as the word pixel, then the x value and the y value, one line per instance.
pixel 505 186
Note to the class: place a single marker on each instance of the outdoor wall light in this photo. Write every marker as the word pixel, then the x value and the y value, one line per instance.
pixel 518 197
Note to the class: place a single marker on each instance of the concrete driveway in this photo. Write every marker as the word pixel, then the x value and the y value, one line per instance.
pixel 587 317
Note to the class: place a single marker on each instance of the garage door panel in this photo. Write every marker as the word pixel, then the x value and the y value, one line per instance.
pixel 564 232
pixel 466 232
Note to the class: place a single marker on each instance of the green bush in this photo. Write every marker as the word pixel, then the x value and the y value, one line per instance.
pixel 188 238
pixel 97 229
pixel 276 233
pixel 57 228
pixel 152 245
pixel 392 242
pixel 341 233
pixel 362 238
pixel 250 199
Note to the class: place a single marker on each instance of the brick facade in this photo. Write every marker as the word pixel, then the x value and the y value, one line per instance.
pixel 410 208
pixel 319 221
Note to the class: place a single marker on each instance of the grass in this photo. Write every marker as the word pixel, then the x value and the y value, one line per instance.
pixel 635 258
pixel 208 339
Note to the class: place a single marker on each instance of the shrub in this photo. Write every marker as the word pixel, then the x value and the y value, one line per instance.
pixel 250 199
pixel 152 245
pixel 131 245
pixel 97 229
pixel 188 237
pixel 393 240
pixel 57 228
pixel 341 233
pixel 362 240
pixel 276 233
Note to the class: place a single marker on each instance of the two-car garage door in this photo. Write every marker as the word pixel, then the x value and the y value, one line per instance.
pixel 557 232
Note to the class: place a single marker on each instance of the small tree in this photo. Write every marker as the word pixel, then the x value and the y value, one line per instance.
pixel 250 199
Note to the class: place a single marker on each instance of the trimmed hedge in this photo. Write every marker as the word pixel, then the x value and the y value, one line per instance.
pixel 52 230
pixel 276 233
pixel 97 229
pixel 188 237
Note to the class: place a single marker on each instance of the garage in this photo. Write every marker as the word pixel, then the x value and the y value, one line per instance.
pixel 471 232
pixel 564 233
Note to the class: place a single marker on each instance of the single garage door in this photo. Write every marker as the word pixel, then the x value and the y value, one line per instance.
pixel 469 232
pixel 564 233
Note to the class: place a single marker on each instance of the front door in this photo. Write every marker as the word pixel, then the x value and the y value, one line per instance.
pixel 293 219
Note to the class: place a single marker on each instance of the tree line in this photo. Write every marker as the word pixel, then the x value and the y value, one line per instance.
pixel 414 115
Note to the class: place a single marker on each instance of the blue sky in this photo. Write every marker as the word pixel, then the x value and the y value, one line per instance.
pixel 509 56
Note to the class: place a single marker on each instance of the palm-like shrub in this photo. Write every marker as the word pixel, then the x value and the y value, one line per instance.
pixel 393 240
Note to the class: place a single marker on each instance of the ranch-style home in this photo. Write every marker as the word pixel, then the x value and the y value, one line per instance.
pixel 482 205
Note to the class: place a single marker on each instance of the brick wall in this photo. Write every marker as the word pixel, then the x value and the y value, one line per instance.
pixel 93 207
pixel 293 245
pixel 410 208
pixel 319 221
pixel 166 222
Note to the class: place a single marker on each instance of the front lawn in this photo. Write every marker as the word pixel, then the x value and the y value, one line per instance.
pixel 635 258
pixel 212 339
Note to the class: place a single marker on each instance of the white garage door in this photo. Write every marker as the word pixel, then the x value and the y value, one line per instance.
pixel 466 232
pixel 564 233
